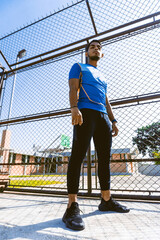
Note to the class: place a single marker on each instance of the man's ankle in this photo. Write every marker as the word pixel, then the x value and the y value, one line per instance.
pixel 71 198
pixel 106 195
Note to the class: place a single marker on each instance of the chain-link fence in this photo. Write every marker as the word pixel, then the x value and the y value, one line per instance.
pixel 36 130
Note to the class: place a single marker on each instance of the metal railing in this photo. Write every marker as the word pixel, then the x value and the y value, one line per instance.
pixel 33 153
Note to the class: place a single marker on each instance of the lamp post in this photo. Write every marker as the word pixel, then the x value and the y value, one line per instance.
pixel 20 54
pixel 2 78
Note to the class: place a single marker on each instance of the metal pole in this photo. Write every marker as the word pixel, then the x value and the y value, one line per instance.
pixel 1 90
pixel 91 16
pixel 12 93
pixel 89 174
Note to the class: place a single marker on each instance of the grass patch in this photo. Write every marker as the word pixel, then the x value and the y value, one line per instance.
pixel 33 183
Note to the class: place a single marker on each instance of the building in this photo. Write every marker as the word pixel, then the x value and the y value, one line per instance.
pixel 55 160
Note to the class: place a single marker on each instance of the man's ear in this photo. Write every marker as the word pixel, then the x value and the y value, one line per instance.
pixel 102 55
pixel 86 54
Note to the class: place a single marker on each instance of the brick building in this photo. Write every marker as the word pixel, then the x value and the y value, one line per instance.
pixel 51 163
pixel 54 161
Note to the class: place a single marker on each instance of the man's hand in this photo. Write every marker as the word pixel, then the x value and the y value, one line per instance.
pixel 76 116
pixel 114 129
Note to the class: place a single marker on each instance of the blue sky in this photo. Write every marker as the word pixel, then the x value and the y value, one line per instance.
pixel 16 13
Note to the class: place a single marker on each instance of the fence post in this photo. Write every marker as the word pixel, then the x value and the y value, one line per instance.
pixel 89 175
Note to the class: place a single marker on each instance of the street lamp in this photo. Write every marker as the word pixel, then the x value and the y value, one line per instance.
pixel 20 54
pixel 2 77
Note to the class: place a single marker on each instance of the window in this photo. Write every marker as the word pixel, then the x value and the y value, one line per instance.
pixel 59 160
pixel 37 159
pixel 25 158
pixel 12 158
pixel 47 160
pixel 1 161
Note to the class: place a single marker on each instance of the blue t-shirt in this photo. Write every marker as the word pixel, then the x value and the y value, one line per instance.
pixel 93 88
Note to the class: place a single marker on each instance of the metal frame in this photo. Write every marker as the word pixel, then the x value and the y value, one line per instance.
pixel 72 48
pixel 88 192
pixel 153 23
pixel 45 115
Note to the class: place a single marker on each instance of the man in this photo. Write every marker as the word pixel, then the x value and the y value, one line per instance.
pixel 91 117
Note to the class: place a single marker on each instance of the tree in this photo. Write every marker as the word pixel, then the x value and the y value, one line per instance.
pixel 157 155
pixel 148 139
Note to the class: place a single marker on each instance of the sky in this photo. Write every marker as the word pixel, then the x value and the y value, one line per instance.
pixel 16 13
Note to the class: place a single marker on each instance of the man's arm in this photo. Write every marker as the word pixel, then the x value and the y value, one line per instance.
pixel 111 117
pixel 73 89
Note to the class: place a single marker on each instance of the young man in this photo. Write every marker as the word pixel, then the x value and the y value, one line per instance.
pixel 91 117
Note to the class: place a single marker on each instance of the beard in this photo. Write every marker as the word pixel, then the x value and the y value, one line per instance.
pixel 94 58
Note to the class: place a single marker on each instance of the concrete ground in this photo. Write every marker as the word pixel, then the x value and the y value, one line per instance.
pixel 38 217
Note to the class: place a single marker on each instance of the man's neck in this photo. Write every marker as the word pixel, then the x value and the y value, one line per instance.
pixel 93 62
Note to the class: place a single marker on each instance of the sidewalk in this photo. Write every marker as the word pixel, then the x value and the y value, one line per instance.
pixel 25 217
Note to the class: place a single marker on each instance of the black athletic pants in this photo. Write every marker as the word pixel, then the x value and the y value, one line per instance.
pixel 96 125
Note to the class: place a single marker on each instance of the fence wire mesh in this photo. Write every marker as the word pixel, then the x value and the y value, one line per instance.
pixel 35 150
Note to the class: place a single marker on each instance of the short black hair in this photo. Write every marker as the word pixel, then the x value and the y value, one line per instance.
pixel 94 40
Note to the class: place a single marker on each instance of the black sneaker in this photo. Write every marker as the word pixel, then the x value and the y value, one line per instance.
pixel 72 217
pixel 112 205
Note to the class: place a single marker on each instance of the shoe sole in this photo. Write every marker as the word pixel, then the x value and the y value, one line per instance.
pixel 109 210
pixel 71 227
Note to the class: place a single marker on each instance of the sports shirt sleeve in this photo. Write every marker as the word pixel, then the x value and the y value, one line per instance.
pixel 75 71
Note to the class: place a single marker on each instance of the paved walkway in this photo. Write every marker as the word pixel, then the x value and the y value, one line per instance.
pixel 27 217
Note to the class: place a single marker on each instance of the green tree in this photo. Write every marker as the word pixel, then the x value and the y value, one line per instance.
pixel 157 155
pixel 148 139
